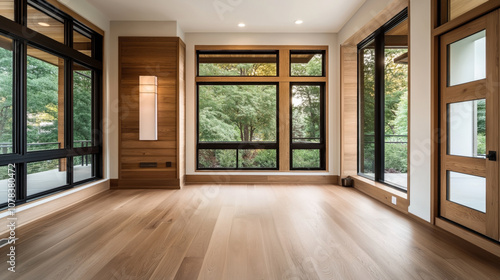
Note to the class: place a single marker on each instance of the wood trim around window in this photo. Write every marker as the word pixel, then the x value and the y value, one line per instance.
pixel 284 80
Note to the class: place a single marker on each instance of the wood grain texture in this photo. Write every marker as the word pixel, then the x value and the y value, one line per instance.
pixel 483 223
pixel 241 232
pixel 483 9
pixel 390 11
pixel 163 57
pixel 41 209
pixel 460 7
pixel 349 110
pixel 266 179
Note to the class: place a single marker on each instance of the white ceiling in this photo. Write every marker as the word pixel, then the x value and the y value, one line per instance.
pixel 224 15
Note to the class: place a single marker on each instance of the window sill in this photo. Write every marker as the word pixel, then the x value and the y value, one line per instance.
pixel 382 193
pixel 381 186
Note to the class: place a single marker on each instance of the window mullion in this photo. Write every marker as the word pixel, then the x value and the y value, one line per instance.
pixel 379 106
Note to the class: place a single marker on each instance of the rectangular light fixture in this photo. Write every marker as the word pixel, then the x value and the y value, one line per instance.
pixel 148 108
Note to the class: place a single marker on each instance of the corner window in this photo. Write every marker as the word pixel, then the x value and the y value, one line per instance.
pixel 50 101
pixel 383 104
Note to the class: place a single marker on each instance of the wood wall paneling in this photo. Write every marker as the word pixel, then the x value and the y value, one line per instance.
pixel 163 57
pixel 349 117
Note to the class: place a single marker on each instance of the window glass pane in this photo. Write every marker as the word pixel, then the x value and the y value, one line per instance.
pixel 237 64
pixel 460 7
pixel 82 167
pixel 5 181
pixel 306 63
pixel 46 175
pixel 306 158
pixel 237 113
pixel 82 106
pixel 7 9
pixel 306 114
pixel 6 90
pixel 367 110
pixel 45 24
pixel 45 111
pixel 82 43
pixel 467 190
pixel 396 106
pixel 216 158
pixel 467 128
pixel 467 59
pixel 257 159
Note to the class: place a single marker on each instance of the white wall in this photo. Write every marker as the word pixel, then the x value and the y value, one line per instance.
pixel 420 91
pixel 366 13
pixel 193 39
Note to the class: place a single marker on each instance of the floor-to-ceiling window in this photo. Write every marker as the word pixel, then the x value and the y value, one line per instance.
pixel 50 101
pixel 383 104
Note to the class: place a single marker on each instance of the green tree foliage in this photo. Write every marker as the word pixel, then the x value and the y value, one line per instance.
pixel 396 110
pixel 6 72
pixel 82 105
pixel 237 113
pixel 247 113
pixel 42 103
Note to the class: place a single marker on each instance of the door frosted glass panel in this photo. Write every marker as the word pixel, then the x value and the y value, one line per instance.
pixel 467 190
pixel 467 59
pixel 467 128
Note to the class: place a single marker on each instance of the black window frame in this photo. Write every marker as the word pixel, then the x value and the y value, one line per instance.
pixel 236 145
pixel 235 52
pixel 23 36
pixel 321 146
pixel 377 38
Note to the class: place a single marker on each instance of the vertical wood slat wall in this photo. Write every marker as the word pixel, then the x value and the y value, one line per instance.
pixel 163 57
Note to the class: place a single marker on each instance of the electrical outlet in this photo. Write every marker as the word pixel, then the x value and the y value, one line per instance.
pixel 394 200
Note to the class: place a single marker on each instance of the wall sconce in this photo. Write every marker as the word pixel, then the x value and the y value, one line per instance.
pixel 147 108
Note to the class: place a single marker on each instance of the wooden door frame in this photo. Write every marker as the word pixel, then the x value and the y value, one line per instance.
pixel 439 28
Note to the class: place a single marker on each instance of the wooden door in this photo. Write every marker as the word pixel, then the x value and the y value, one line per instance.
pixel 469 121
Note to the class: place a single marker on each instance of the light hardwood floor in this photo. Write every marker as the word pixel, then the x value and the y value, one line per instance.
pixel 241 232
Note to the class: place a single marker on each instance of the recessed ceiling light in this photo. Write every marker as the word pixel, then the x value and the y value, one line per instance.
pixel 241 24
pixel 44 24
pixel 299 21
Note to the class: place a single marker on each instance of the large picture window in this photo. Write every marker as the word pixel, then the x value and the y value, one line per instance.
pixel 50 108
pixel 261 109
pixel 237 126
pixel 383 104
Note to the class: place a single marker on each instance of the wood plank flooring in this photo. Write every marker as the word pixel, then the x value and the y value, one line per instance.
pixel 240 232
